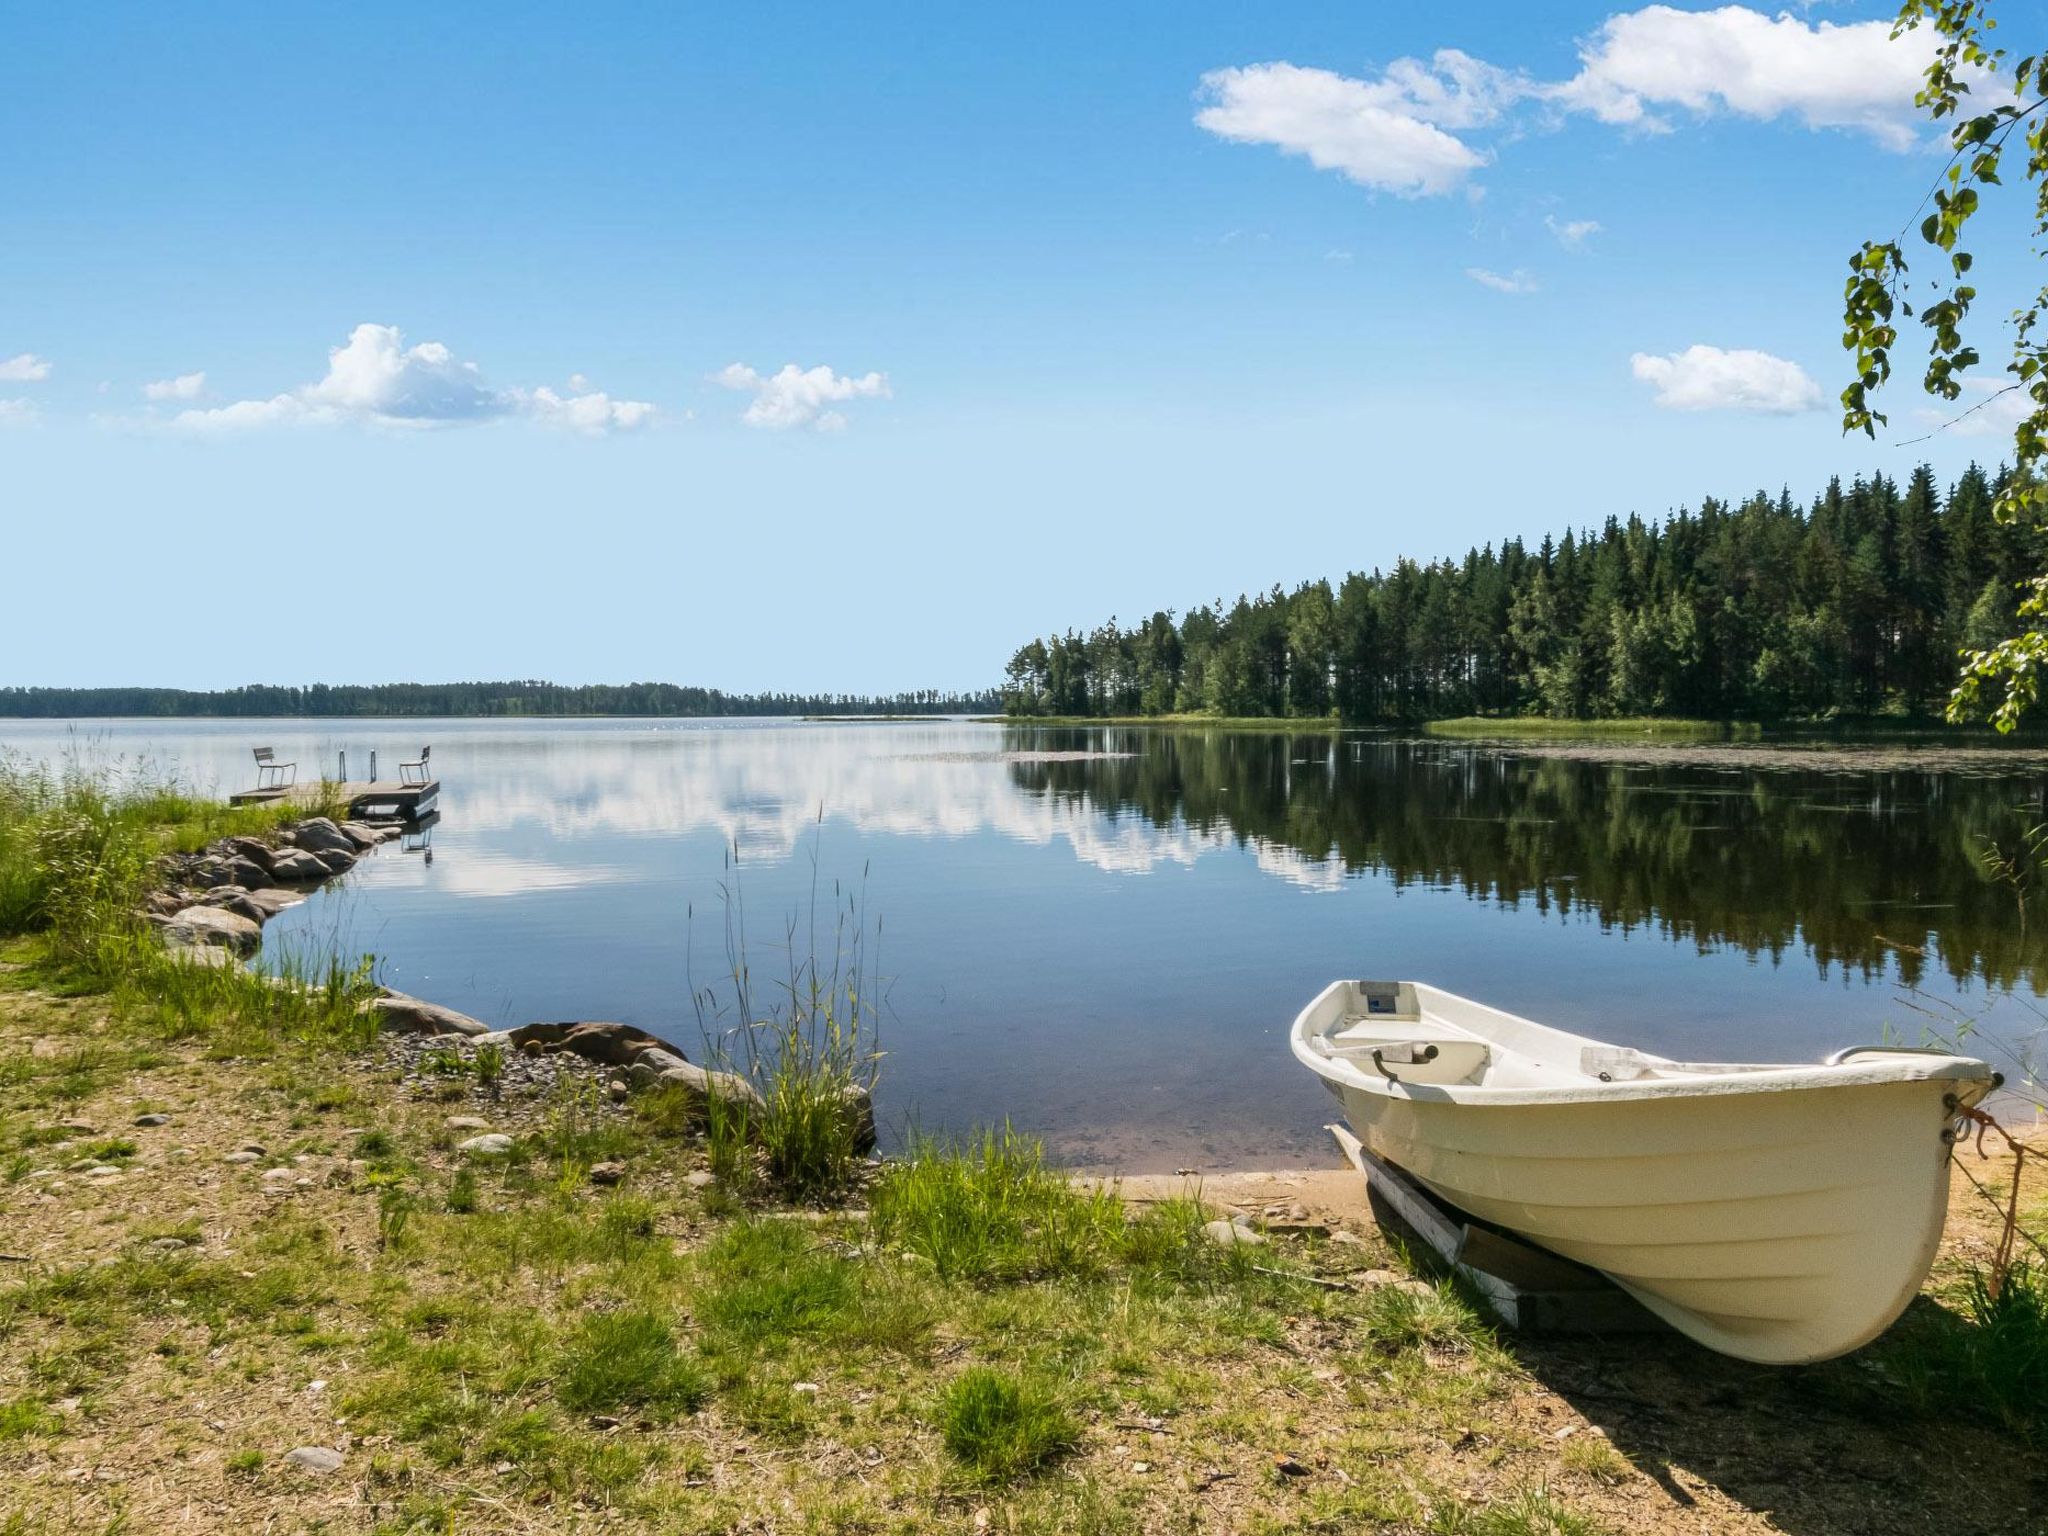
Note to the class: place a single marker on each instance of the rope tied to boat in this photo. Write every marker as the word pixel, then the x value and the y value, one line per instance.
pixel 1968 1115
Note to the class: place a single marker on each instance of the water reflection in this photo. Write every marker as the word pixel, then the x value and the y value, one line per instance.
pixel 1861 870
pixel 1102 934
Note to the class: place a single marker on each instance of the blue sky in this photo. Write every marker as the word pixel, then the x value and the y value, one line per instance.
pixel 386 343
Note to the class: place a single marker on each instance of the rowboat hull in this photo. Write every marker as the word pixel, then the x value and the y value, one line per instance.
pixel 1784 1225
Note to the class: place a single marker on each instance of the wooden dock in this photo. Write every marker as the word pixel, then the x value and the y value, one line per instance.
pixel 367 799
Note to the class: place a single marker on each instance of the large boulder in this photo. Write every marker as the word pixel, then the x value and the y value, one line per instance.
pixel 211 927
pixel 860 1113
pixel 336 861
pixel 699 1085
pixel 248 874
pixel 362 834
pixel 235 899
pixel 293 866
pixel 254 849
pixel 416 1016
pixel 611 1045
pixel 272 900
pixel 209 871
pixel 316 834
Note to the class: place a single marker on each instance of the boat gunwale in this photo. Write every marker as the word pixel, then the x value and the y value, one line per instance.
pixel 1791 1077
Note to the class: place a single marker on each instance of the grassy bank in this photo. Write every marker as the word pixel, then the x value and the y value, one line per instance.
pixel 1528 728
pixel 239 1226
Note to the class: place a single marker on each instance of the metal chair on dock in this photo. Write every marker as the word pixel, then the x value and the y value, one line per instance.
pixel 271 774
pixel 415 773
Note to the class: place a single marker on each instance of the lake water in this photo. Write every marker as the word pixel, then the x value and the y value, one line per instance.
pixel 1103 934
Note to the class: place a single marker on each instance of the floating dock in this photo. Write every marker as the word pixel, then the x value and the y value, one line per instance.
pixel 367 799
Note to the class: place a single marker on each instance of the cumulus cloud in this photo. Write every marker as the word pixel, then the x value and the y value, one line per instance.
pixel 375 377
pixel 800 397
pixel 186 386
pixel 1516 281
pixel 17 413
pixel 1705 378
pixel 1742 61
pixel 592 413
pixel 1409 129
pixel 1391 134
pixel 1571 233
pixel 24 368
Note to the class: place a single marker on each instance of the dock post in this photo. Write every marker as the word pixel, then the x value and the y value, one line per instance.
pixel 342 775
pixel 373 765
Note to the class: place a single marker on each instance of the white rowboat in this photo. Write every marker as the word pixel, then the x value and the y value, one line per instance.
pixel 1778 1213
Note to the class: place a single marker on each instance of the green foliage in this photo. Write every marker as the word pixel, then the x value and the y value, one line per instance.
pixel 25 1417
pixel 771 1283
pixel 629 1359
pixel 988 1208
pixel 2003 675
pixel 1855 605
pixel 395 1205
pixel 2006 1359
pixel 1399 1319
pixel 462 1195
pixel 1001 1426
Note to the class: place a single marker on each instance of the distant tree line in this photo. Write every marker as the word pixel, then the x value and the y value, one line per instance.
pixel 518 699
pixel 1857 604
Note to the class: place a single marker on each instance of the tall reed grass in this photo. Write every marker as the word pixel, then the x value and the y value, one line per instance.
pixel 806 1043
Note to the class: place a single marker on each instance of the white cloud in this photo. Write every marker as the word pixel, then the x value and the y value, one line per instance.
pixel 1709 379
pixel 1407 130
pixel 1341 257
pixel 799 397
pixel 374 377
pixel 1516 281
pixel 18 413
pixel 592 413
pixel 578 384
pixel 24 368
pixel 1572 233
pixel 1738 60
pixel 186 386
pixel 1389 135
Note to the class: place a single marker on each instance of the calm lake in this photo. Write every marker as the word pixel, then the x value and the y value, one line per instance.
pixel 1102 934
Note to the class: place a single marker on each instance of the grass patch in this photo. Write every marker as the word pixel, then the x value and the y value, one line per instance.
pixel 1001 1426
pixel 629 1359
pixel 989 1209
pixel 770 1283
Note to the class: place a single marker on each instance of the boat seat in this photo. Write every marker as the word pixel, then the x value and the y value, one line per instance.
pixel 1410 1050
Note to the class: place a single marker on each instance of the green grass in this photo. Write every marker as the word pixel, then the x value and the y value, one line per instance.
pixel 629 1359
pixel 1529 728
pixel 769 1283
pixel 989 1209
pixel 1532 1512
pixel 1980 1356
pixel 1001 1426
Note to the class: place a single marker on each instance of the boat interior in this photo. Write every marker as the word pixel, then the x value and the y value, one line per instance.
pixel 1422 1036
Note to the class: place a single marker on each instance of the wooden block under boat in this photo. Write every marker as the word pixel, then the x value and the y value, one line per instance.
pixel 1530 1290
